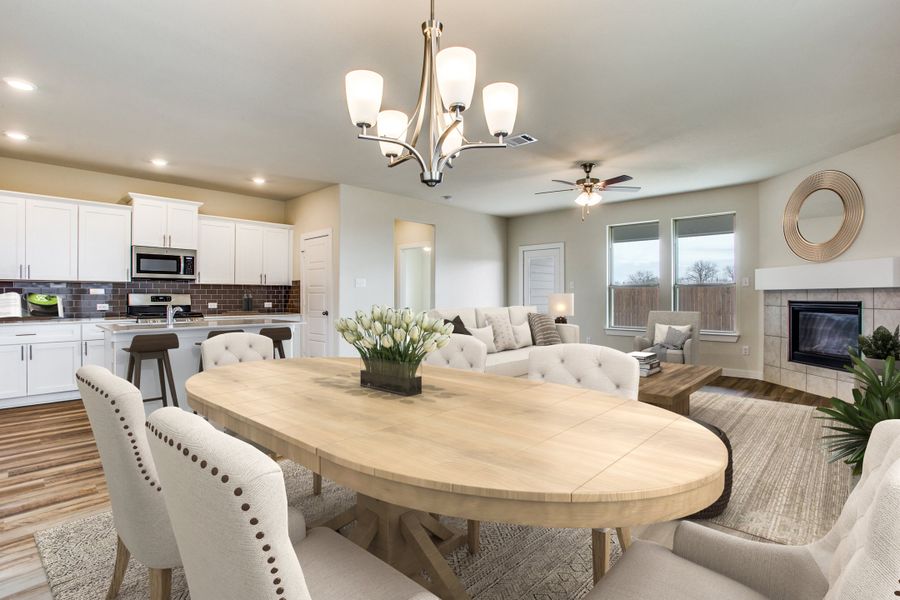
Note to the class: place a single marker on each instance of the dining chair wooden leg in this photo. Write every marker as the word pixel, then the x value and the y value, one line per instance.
pixel 122 556
pixel 160 584
pixel 317 484
pixel 473 536
pixel 624 535
pixel 600 552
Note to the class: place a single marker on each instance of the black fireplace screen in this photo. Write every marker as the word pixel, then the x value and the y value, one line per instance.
pixel 822 333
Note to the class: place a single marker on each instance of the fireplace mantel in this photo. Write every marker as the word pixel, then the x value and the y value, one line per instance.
pixel 845 274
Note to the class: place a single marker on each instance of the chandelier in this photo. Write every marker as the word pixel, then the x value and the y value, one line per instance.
pixel 445 92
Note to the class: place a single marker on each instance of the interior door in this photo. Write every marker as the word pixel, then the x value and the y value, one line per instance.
pixel 51 240
pixel 12 238
pixel 248 254
pixel 316 282
pixel 542 274
pixel 277 257
pixel 215 256
pixel 51 367
pixel 181 225
pixel 104 243
pixel 13 371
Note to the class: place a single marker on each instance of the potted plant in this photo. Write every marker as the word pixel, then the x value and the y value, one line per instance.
pixel 876 399
pixel 392 344
pixel 879 346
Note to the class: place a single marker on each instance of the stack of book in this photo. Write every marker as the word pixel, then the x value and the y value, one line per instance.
pixel 648 361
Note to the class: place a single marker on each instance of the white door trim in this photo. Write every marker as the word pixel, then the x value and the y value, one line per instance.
pixel 304 240
pixel 561 276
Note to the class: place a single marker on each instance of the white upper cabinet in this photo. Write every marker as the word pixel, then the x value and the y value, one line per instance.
pixel 248 265
pixel 215 255
pixel 12 238
pixel 277 257
pixel 164 222
pixel 104 243
pixel 51 240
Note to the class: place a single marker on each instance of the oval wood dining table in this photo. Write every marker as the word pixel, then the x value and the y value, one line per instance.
pixel 478 446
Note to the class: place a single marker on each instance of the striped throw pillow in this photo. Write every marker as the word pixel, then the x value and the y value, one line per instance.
pixel 543 330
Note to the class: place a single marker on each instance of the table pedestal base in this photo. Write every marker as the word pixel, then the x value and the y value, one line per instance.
pixel 411 541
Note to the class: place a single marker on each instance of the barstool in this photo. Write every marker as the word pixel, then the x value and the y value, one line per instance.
pixel 278 335
pixel 213 334
pixel 153 347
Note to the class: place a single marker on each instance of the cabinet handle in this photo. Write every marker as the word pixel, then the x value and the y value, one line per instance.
pixel 30 352
pixel 20 271
pixel 29 271
pixel 22 348
pixel 85 348
pixel 260 278
pixel 127 273
pixel 266 278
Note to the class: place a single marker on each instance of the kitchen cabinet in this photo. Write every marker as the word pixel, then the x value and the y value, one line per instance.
pixel 13 371
pixel 215 254
pixel 52 366
pixel 93 353
pixel 262 254
pixel 164 222
pixel 104 243
pixel 12 238
pixel 51 240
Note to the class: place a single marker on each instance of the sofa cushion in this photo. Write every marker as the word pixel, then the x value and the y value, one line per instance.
pixel 504 339
pixel 481 314
pixel 458 326
pixel 519 314
pixel 523 335
pixel 466 314
pixel 512 363
pixel 486 335
pixel 543 330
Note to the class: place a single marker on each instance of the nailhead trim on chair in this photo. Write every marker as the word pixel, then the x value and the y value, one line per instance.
pixel 137 453
pixel 237 492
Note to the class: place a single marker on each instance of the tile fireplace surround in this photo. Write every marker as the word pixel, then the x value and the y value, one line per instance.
pixel 881 306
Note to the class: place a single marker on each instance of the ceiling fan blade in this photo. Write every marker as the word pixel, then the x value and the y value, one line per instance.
pixel 621 188
pixel 615 180
pixel 563 182
pixel 555 191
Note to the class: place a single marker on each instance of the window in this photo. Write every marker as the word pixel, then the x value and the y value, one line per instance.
pixel 633 273
pixel 542 273
pixel 704 270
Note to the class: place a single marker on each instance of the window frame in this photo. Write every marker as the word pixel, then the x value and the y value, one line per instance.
pixel 610 327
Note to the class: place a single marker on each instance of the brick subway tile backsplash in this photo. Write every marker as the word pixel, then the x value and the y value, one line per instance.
pixel 79 303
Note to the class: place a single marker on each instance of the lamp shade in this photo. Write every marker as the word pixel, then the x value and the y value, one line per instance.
pixel 594 199
pixel 456 76
pixel 501 102
pixel 392 124
pixel 455 138
pixel 364 90
pixel 562 305
pixel 583 199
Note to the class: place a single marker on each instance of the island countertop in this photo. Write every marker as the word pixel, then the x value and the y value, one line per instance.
pixel 188 325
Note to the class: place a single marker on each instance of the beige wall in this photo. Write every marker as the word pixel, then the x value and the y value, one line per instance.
pixel 876 169
pixel 586 260
pixel 42 178
pixel 314 212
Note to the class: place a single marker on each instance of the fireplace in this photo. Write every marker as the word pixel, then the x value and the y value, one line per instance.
pixel 820 333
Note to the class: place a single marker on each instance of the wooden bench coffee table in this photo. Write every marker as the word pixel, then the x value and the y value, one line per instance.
pixel 672 387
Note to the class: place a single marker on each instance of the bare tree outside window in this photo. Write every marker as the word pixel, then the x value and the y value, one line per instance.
pixel 705 270
pixel 701 271
pixel 643 278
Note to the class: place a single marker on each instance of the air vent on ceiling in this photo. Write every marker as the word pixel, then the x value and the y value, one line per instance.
pixel 520 140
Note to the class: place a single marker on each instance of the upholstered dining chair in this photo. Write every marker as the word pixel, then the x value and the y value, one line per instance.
pixel 233 348
pixel 115 409
pixel 690 352
pixel 859 559
pixel 462 352
pixel 228 508
pixel 597 368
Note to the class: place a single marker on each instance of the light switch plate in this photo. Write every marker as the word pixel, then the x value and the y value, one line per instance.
pixel 267 305
pixel 212 305
pixel 97 291
pixel 103 307
pixel 745 282
pixel 360 282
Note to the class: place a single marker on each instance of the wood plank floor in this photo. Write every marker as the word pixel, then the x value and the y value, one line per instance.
pixel 50 473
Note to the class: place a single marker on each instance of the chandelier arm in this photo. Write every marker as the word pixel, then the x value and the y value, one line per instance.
pixel 423 87
pixel 436 118
pixel 464 147
pixel 412 151
pixel 436 158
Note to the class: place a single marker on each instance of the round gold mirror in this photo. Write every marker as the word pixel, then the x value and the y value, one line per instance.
pixel 823 216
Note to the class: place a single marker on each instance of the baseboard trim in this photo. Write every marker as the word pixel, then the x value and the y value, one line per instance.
pixel 743 373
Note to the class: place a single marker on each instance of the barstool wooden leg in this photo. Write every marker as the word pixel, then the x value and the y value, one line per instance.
pixel 600 552
pixel 138 363
pixel 162 383
pixel 160 584
pixel 122 556
pixel 130 376
pixel 171 378
pixel 317 484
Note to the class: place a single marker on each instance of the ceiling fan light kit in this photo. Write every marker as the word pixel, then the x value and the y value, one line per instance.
pixel 590 188
pixel 445 92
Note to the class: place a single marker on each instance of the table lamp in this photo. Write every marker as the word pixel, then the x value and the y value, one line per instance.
pixel 562 306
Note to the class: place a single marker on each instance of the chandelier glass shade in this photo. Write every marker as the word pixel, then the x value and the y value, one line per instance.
pixel 445 92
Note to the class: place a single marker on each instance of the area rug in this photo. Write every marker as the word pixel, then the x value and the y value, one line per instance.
pixel 784 491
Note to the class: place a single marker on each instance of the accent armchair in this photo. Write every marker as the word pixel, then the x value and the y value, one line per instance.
pixel 690 353
pixel 586 365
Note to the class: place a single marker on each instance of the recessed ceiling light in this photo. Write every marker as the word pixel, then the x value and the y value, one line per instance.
pixel 258 180
pixel 159 162
pixel 20 84
pixel 16 135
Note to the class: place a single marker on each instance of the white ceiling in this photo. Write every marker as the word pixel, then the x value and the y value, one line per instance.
pixel 681 95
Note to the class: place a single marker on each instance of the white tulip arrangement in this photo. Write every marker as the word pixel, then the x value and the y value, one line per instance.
pixel 394 336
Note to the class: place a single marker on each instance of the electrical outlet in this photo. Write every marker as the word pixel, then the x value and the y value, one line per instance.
pixel 97 291
pixel 212 305
pixel 103 307
pixel 267 305
pixel 745 350
pixel 587 340
pixel 360 282
pixel 571 286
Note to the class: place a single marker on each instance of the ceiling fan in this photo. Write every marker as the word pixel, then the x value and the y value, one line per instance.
pixel 591 187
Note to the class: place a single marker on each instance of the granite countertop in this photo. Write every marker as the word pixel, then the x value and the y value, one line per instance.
pixel 202 324
pixel 230 316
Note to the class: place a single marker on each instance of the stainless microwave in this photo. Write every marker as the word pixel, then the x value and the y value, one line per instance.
pixel 148 262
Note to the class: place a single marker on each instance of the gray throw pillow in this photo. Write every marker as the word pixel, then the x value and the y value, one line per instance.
pixel 543 330
pixel 504 339
pixel 675 339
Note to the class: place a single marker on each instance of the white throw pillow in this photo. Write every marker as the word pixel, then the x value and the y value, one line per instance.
pixel 523 335
pixel 504 338
pixel 659 333
pixel 485 335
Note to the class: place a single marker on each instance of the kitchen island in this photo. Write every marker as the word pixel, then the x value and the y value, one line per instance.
pixel 186 358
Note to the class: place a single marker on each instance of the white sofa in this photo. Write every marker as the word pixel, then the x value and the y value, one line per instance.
pixel 513 363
